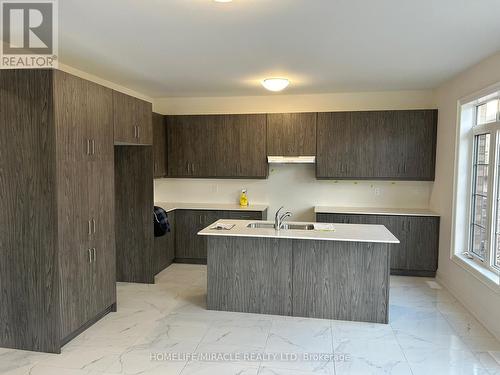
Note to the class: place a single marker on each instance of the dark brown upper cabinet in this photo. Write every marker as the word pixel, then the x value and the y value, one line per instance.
pixel 132 120
pixel 159 146
pixel 217 146
pixel 379 145
pixel 291 134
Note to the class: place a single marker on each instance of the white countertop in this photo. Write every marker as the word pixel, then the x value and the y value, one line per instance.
pixel 171 206
pixel 374 211
pixel 343 232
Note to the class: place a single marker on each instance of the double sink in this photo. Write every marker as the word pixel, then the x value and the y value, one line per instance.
pixel 284 226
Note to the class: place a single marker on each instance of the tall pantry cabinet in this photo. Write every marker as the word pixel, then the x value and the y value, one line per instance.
pixel 57 239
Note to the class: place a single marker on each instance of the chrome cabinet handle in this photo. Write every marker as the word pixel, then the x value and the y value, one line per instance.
pixel 88 146
pixel 90 255
pixel 93 147
pixel 94 253
pixel 90 227
pixel 93 225
pixel 138 131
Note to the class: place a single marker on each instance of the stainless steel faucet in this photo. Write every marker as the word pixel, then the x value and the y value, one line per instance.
pixel 280 219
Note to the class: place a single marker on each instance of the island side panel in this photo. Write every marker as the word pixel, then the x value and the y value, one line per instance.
pixel 341 280
pixel 251 275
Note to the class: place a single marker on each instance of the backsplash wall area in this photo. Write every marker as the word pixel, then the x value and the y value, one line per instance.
pixel 296 188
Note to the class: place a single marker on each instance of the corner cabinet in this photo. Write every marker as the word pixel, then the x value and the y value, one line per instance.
pixel 191 248
pixel 417 252
pixel 132 119
pixel 291 134
pixel 164 247
pixel 378 145
pixel 57 245
pixel 159 146
pixel 217 146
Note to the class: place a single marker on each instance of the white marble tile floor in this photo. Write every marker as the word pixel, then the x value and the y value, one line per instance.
pixel 164 329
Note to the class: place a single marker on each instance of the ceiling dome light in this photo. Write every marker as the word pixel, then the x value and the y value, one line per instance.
pixel 275 84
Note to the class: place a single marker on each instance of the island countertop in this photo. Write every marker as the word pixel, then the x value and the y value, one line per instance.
pixel 341 232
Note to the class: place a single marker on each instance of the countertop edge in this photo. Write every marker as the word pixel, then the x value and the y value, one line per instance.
pixel 169 206
pixel 240 230
pixel 375 211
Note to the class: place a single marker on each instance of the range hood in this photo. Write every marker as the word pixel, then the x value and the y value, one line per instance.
pixel 291 159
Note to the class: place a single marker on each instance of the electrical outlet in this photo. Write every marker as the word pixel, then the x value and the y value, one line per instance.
pixel 377 191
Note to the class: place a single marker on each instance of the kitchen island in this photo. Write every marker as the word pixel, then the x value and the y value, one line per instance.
pixel 340 272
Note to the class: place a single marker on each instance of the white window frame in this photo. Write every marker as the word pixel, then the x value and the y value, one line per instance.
pixel 462 188
pixel 493 129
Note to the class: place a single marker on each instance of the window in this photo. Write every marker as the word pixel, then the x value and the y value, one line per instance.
pixel 484 233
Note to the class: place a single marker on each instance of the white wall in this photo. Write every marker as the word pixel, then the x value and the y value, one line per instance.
pixel 296 188
pixel 349 101
pixel 103 82
pixel 482 301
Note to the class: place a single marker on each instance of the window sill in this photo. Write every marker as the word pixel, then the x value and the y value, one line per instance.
pixel 487 277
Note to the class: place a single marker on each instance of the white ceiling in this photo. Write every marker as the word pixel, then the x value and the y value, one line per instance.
pixel 202 48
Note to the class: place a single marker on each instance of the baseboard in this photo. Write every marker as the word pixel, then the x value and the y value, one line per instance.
pixel 190 260
pixel 466 305
pixel 87 325
pixel 413 273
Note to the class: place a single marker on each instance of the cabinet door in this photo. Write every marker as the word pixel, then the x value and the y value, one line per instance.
pixel 144 122
pixel 191 151
pixel 74 231
pixel 159 146
pixel 171 237
pixel 419 158
pixel 387 151
pixel 423 243
pixel 204 131
pixel 164 246
pixel 124 118
pixel 188 244
pixel 333 139
pixel 291 134
pixel 70 117
pixel 179 149
pixel 99 113
pixel 102 214
pixel 250 141
pixel 226 132
pixel 348 145
pixel 398 226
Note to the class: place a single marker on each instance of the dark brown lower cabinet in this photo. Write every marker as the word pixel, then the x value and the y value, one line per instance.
pixel 417 252
pixel 191 248
pixel 164 247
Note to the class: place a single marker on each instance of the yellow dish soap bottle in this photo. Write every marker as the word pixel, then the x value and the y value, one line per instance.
pixel 243 198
